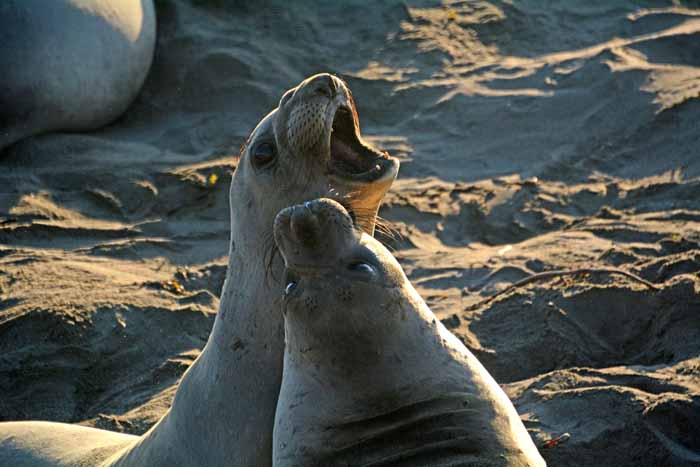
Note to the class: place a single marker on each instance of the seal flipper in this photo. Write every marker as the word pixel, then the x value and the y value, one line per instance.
pixel 49 444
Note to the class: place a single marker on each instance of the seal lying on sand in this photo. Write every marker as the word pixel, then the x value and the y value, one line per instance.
pixel 71 64
pixel 371 377
pixel 224 408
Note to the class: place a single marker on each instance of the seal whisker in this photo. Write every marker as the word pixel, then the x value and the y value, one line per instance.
pixel 389 236
pixel 270 253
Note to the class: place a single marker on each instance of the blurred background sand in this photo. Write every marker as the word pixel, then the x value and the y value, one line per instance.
pixel 534 135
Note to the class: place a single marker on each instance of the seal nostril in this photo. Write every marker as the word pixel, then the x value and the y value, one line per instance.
pixel 325 91
pixel 326 86
pixel 304 225
pixel 331 84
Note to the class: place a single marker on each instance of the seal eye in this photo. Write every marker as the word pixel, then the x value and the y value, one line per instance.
pixel 361 266
pixel 263 154
pixel 290 288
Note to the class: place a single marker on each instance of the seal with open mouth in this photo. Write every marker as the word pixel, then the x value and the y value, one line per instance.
pixel 371 377
pixel 223 412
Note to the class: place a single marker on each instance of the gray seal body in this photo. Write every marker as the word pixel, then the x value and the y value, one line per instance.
pixel 370 376
pixel 71 64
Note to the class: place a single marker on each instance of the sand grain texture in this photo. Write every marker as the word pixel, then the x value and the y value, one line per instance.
pixel 534 136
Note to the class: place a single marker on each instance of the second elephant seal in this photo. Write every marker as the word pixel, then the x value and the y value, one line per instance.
pixel 371 377
pixel 71 64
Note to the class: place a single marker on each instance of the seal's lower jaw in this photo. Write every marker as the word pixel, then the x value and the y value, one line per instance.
pixel 351 160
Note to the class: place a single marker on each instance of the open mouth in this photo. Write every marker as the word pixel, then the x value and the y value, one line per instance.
pixel 351 158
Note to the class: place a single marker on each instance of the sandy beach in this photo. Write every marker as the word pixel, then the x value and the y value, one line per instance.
pixel 534 136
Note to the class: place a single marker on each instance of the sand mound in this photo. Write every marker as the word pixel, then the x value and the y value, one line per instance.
pixel 533 138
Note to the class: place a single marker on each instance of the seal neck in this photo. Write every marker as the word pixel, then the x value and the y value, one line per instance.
pixel 224 407
pixel 365 342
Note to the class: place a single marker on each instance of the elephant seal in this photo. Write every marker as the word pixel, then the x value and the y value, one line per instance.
pixel 223 412
pixel 71 64
pixel 371 377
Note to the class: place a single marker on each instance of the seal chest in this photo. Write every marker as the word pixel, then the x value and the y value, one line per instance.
pixel 370 376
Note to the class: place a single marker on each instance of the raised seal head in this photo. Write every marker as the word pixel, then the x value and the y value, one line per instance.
pixel 334 277
pixel 310 146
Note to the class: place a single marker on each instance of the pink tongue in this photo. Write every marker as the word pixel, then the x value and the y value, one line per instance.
pixel 342 152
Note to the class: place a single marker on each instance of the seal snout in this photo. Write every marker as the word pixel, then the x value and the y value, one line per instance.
pixel 312 235
pixel 325 84
pixel 304 225
pixel 323 121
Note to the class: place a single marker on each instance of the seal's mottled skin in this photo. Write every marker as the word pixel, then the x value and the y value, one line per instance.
pixel 223 411
pixel 371 377
pixel 71 64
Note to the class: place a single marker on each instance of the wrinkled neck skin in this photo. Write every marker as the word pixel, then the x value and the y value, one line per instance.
pixel 362 403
